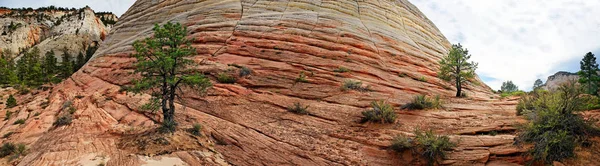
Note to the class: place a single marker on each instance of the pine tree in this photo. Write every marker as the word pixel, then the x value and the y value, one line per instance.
pixel 509 87
pixel 538 83
pixel 29 70
pixel 7 69
pixel 588 76
pixel 66 65
pixel 89 52
pixel 49 66
pixel 455 67
pixel 162 61
pixel 80 61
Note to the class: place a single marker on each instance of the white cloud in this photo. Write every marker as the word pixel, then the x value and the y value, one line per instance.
pixel 116 6
pixel 519 40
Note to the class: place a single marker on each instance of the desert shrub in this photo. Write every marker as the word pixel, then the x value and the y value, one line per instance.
pixel 423 102
pixel 244 71
pixel 297 108
pixel 72 110
pixel 20 150
pixel 555 127
pixel 301 78
pixel 7 149
pixel 401 143
pixel 196 129
pixel 354 85
pixel 432 146
pixel 37 114
pixel 341 69
pixel 513 93
pixel 66 104
pixel 423 79
pixel 426 143
pixel 8 115
pixel 168 127
pixel 381 112
pixel 19 121
pixel 226 78
pixel 8 134
pixel 11 102
pixel 63 120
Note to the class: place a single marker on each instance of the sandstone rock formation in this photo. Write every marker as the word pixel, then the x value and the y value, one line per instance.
pixel 389 45
pixel 51 30
pixel 561 77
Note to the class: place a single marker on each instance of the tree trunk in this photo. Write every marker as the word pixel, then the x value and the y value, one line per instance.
pixel 458 88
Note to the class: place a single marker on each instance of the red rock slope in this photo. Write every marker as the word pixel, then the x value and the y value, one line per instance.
pixel 388 45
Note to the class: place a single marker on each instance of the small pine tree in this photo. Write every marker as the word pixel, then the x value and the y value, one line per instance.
pixel 455 67
pixel 538 83
pixel 11 102
pixel 80 61
pixel 588 76
pixel 89 52
pixel 509 87
pixel 162 60
pixel 67 64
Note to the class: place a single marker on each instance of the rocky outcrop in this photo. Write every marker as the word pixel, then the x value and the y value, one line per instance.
pixel 389 46
pixel 51 29
pixel 561 77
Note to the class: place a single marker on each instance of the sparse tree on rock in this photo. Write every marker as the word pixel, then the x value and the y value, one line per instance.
pixel 162 61
pixel 538 83
pixel 588 76
pixel 509 87
pixel 455 67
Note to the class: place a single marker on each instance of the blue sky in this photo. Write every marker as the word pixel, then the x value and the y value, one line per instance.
pixel 519 40
pixel 116 6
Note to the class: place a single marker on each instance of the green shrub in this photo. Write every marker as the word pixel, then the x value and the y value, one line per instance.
pixel 196 129
pixel 168 127
pixel 341 69
pixel 7 149
pixel 381 112
pixel 301 78
pixel 63 120
pixel 423 79
pixel 244 71
pixel 36 114
pixel 427 144
pixel 514 93
pixel 354 85
pixel 226 78
pixel 19 121
pixel 423 102
pixel 401 143
pixel 555 128
pixel 19 151
pixel 8 134
pixel 432 146
pixel 297 108
pixel 8 114
pixel 11 102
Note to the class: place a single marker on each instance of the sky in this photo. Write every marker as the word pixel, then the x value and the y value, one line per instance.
pixel 118 7
pixel 519 40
